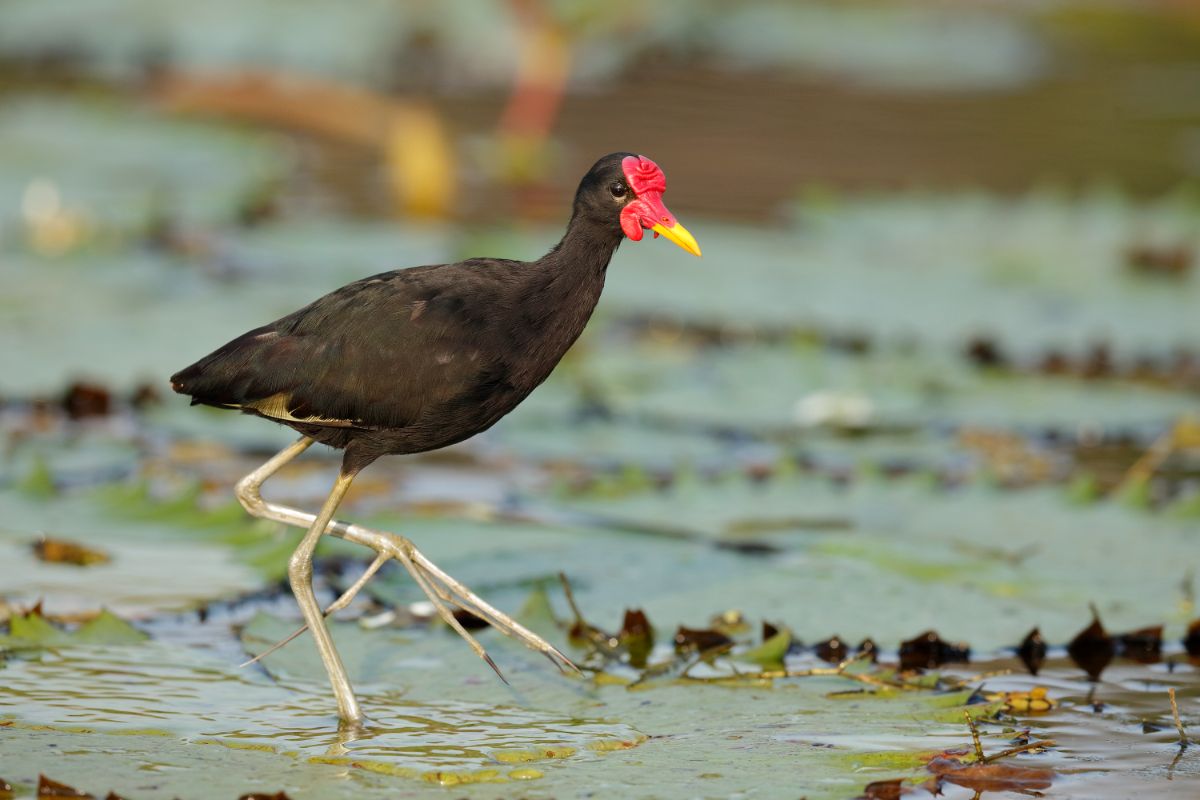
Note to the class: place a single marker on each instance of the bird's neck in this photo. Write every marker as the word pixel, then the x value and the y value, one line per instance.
pixel 583 253
pixel 561 291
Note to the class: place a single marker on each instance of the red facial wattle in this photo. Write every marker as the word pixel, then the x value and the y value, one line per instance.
pixel 648 183
pixel 647 210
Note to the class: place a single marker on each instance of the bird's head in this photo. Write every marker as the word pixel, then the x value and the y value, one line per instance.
pixel 625 190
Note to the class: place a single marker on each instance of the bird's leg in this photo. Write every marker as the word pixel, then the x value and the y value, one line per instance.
pixel 248 488
pixel 332 608
pixel 438 585
pixel 300 577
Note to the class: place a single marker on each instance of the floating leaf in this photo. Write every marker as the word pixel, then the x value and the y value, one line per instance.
pixel 468 620
pixel 928 651
pixel 1032 651
pixel 38 482
pixel 61 551
pixel 1092 649
pixel 833 650
pixel 637 637
pixel 108 628
pixel 1034 701
pixel 998 777
pixel 53 790
pixel 867 650
pixel 883 790
pixel 1143 645
pixel 34 630
pixel 1161 261
pixel 84 400
pixel 1191 642
pixel 700 639
pixel 771 652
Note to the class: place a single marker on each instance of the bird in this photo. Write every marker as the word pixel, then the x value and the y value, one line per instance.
pixel 417 359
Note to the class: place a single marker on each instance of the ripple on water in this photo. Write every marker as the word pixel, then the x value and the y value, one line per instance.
pixel 185 692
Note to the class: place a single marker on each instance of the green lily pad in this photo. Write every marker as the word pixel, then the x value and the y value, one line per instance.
pixel 33 630
pixel 770 652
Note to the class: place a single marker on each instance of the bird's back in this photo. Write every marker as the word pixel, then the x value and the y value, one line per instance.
pixel 417 358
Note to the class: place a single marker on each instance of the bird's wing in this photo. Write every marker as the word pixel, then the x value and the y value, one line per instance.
pixel 377 353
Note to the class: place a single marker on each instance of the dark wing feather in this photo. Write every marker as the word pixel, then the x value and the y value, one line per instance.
pixel 377 353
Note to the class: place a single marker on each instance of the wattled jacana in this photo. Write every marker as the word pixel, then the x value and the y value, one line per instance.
pixel 417 359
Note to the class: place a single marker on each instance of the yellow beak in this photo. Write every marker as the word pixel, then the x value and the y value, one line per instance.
pixel 680 236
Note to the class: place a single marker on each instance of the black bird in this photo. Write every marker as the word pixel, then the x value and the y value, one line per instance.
pixel 417 359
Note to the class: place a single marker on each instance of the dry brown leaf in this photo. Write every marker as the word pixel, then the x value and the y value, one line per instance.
pixel 981 777
pixel 1092 648
pixel 702 640
pixel 883 790
pixel 61 551
pixel 58 791
pixel 929 651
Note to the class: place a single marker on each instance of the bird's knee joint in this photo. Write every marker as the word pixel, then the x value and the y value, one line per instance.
pixel 247 493
pixel 300 569
pixel 399 543
pixel 400 547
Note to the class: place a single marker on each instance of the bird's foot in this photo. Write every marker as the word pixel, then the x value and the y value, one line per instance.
pixel 442 589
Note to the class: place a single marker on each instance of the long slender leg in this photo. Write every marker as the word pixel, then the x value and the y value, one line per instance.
pixel 300 576
pixel 384 543
pixel 332 608
pixel 247 488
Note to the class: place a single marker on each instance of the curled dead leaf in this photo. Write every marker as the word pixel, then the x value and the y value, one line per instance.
pixel 981 777
pixel 636 636
pixel 48 788
pixel 1191 642
pixel 61 551
pixel 883 790
pixel 83 400
pixel 1160 260
pixel 1032 651
pixel 468 620
pixel 833 650
pixel 1143 645
pixel 1092 649
pixel 700 639
pixel 929 651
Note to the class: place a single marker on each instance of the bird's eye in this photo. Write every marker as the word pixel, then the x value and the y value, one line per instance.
pixel 618 189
